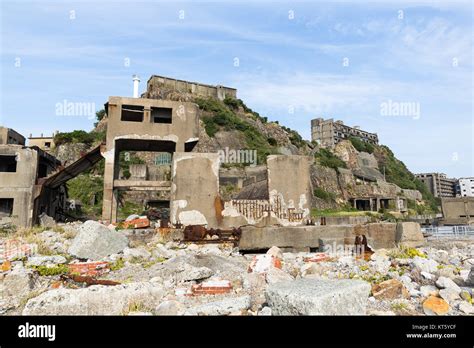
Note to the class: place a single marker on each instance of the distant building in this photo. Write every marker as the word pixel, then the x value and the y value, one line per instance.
pixel 44 143
pixel 327 133
pixel 10 137
pixel 438 184
pixel 466 187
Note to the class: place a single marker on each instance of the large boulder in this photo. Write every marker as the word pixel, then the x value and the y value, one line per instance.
pixel 95 300
pixel 318 297
pixel 409 235
pixel 19 282
pixel 95 241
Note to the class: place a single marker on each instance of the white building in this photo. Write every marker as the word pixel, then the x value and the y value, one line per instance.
pixel 466 187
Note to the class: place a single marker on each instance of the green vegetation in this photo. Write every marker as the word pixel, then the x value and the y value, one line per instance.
pixel 323 194
pixel 79 136
pixel 345 211
pixel 397 173
pixel 118 264
pixel 406 253
pixel 224 117
pixel 51 271
pixel 327 159
pixel 295 137
pixel 88 189
pixel 361 146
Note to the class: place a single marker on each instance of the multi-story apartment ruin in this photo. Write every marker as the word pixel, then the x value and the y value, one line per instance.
pixel 327 133
pixel 438 184
pixel 465 187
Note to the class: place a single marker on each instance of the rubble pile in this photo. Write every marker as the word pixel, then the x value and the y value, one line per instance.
pixel 92 269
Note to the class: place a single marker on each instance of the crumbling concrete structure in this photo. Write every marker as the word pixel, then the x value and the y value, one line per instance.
pixel 21 198
pixel 457 210
pixel 10 137
pixel 327 133
pixel 140 124
pixel 160 87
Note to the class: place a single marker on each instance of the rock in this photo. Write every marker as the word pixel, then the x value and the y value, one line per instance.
pixel 275 252
pixel 169 308
pixel 223 307
pixel 381 263
pixel 427 275
pixel 429 290
pixel 446 283
pixel 140 313
pixel 46 260
pixel 389 290
pixel 161 251
pixel 265 311
pixel 195 273
pixel 46 221
pixel 139 253
pixel 255 284
pixel 309 268
pixel 435 306
pixel 470 278
pixel 95 241
pixel 466 308
pixel 318 297
pixel 95 300
pixel 262 263
pixel 19 282
pixel 425 265
pixel 132 217
pixel 449 295
pixel 409 235
pixel 275 275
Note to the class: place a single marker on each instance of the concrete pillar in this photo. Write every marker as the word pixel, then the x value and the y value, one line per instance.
pixel 108 198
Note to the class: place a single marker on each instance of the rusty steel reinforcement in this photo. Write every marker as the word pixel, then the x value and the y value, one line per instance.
pixel 255 209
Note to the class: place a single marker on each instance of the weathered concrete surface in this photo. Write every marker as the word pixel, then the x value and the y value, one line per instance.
pixel 144 134
pixel 195 189
pixel 409 234
pixel 296 198
pixel 95 300
pixel 290 237
pixel 95 241
pixel 459 210
pixel 379 235
pixel 318 297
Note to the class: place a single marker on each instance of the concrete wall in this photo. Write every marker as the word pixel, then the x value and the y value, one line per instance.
pixel 195 189
pixel 289 183
pixel 19 185
pixel 457 210
pixel 9 136
pixel 42 143
pixel 379 235
pixel 199 89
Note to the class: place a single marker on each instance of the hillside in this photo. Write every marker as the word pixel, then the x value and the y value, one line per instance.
pixel 337 174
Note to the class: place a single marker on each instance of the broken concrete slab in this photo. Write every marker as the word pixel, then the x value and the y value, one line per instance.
pixel 95 300
pixel 409 235
pixel 318 297
pixel 95 241
pixel 46 260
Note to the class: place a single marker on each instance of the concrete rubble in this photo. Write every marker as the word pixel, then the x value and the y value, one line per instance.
pixel 156 277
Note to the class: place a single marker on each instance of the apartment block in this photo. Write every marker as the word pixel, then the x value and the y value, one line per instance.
pixel 327 133
pixel 438 184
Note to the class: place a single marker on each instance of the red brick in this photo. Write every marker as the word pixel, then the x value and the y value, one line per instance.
pixel 89 268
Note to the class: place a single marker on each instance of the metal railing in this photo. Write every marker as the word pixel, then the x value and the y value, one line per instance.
pixel 449 231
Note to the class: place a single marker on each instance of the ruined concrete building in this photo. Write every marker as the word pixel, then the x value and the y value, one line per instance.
pixel 438 184
pixel 165 121
pixel 22 169
pixel 327 133
pixel 45 143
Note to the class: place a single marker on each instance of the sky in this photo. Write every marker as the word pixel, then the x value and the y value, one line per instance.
pixel 402 69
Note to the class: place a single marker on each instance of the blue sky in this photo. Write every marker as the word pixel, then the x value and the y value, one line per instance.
pixel 296 61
